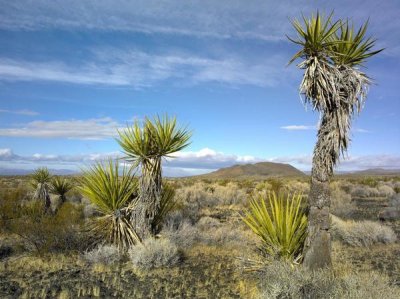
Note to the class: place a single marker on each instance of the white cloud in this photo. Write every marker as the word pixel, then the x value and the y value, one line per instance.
pixel 90 129
pixel 298 127
pixel 20 112
pixel 190 163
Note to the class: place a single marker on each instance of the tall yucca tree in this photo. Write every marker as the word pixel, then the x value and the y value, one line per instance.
pixel 40 181
pixel 113 192
pixel 333 85
pixel 146 146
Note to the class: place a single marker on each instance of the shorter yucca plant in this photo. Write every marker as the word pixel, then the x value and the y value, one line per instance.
pixel 60 186
pixel 40 181
pixel 280 223
pixel 113 193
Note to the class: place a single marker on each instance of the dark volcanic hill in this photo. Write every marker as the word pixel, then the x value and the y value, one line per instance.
pixel 260 170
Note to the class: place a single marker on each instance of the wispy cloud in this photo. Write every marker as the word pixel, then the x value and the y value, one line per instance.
pixel 199 18
pixel 20 112
pixel 298 127
pixel 90 129
pixel 347 163
pixel 226 19
pixel 139 69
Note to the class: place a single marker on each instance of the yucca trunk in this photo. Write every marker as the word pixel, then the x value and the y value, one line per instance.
pixel 43 194
pixel 150 190
pixel 317 247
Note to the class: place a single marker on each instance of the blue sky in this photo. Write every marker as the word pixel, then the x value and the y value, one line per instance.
pixel 72 72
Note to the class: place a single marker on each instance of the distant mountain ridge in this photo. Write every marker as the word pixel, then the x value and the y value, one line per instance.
pixel 259 170
pixel 377 171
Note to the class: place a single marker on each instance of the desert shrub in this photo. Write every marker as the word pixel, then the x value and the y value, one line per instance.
pixel 368 181
pixel 395 201
pixel 90 211
pixel 182 233
pixel 263 186
pixel 212 232
pixel 44 233
pixel 341 204
pixel 292 187
pixel 362 233
pixel 208 223
pixel 10 207
pixel 229 194
pixel 154 253
pixel 103 254
pixel 385 191
pixel 167 205
pixel 276 184
pixel 280 224
pixel 5 251
pixel 364 191
pixel 192 199
pixel 282 280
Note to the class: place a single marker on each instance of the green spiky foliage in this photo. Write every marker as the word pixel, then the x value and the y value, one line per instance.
pixel 167 204
pixel 332 84
pixel 60 187
pixel 280 224
pixel 113 192
pixel 146 146
pixel 40 181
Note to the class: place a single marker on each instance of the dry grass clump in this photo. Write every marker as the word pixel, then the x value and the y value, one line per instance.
pixel 362 233
pixel 103 254
pixel 282 280
pixel 154 253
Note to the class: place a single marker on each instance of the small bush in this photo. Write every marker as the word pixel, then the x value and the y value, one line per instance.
pixel 103 254
pixel 183 234
pixel 43 232
pixel 368 181
pixel 362 233
pixel 386 191
pixel 154 253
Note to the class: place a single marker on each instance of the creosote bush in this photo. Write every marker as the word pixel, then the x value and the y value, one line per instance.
pixel 51 233
pixel 154 253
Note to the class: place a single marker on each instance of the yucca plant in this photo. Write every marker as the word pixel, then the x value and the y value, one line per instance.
pixel 280 223
pixel 60 187
pixel 113 192
pixel 40 181
pixel 167 204
pixel 332 84
pixel 146 146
